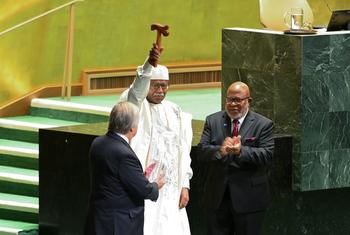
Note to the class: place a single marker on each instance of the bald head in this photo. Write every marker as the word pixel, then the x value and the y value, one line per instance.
pixel 237 100
pixel 239 88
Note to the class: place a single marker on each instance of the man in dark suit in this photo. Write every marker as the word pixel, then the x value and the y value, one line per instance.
pixel 119 186
pixel 238 146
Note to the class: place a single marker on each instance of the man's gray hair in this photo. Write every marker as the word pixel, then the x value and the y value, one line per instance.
pixel 123 117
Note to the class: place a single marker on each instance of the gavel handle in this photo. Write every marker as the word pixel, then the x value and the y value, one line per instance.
pixel 159 39
pixel 153 62
pixel 159 45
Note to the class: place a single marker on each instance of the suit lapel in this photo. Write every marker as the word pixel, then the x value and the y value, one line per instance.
pixel 247 124
pixel 226 124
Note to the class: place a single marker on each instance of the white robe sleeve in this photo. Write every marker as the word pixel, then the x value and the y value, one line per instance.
pixel 186 158
pixel 138 90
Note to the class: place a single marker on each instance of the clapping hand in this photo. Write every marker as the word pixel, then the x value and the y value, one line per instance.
pixel 231 145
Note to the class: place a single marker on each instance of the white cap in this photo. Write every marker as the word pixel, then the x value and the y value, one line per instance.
pixel 160 73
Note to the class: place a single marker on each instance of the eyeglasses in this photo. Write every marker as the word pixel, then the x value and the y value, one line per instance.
pixel 156 86
pixel 235 100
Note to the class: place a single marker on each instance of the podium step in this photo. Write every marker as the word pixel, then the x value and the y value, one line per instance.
pixel 25 128
pixel 14 180
pixel 19 175
pixel 9 227
pixel 19 208
pixel 19 148
pixel 19 154
pixel 70 111
pixel 19 203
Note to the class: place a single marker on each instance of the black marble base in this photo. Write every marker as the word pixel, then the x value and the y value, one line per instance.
pixel 64 189
pixel 64 181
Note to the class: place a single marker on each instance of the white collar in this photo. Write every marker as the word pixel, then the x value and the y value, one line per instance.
pixel 241 119
pixel 124 137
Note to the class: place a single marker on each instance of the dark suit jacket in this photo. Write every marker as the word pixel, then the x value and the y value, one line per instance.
pixel 118 188
pixel 244 176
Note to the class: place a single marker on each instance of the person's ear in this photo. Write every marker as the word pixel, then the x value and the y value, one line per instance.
pixel 133 130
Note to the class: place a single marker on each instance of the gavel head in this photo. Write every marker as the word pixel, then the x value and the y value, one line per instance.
pixel 163 29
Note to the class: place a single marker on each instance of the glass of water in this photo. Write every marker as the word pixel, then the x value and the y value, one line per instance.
pixel 297 18
pixel 294 18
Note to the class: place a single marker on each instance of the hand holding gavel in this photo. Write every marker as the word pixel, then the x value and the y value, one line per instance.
pixel 157 49
pixel 154 55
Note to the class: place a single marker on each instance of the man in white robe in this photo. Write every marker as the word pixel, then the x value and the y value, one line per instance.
pixel 164 139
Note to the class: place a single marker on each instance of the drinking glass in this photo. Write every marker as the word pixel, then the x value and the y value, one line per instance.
pixel 294 18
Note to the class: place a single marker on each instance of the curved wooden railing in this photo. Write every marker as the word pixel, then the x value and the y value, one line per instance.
pixel 192 75
pixel 67 74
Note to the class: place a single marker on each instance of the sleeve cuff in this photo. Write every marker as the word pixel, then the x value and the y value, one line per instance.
pixel 154 192
pixel 186 183
pixel 147 68
pixel 218 155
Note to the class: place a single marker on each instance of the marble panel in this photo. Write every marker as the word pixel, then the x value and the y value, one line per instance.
pixel 338 84
pixel 316 131
pixel 287 103
pixel 288 53
pixel 231 74
pixel 315 94
pixel 339 56
pixel 340 168
pixel 339 134
pixel 314 170
pixel 316 55
pixel 239 50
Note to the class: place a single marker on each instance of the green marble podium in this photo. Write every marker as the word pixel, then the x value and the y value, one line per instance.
pixel 301 82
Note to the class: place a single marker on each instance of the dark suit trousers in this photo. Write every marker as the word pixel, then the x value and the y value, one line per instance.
pixel 225 221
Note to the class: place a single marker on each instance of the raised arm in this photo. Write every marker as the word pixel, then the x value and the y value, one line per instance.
pixel 138 90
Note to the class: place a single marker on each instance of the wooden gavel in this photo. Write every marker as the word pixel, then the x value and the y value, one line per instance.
pixel 161 30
